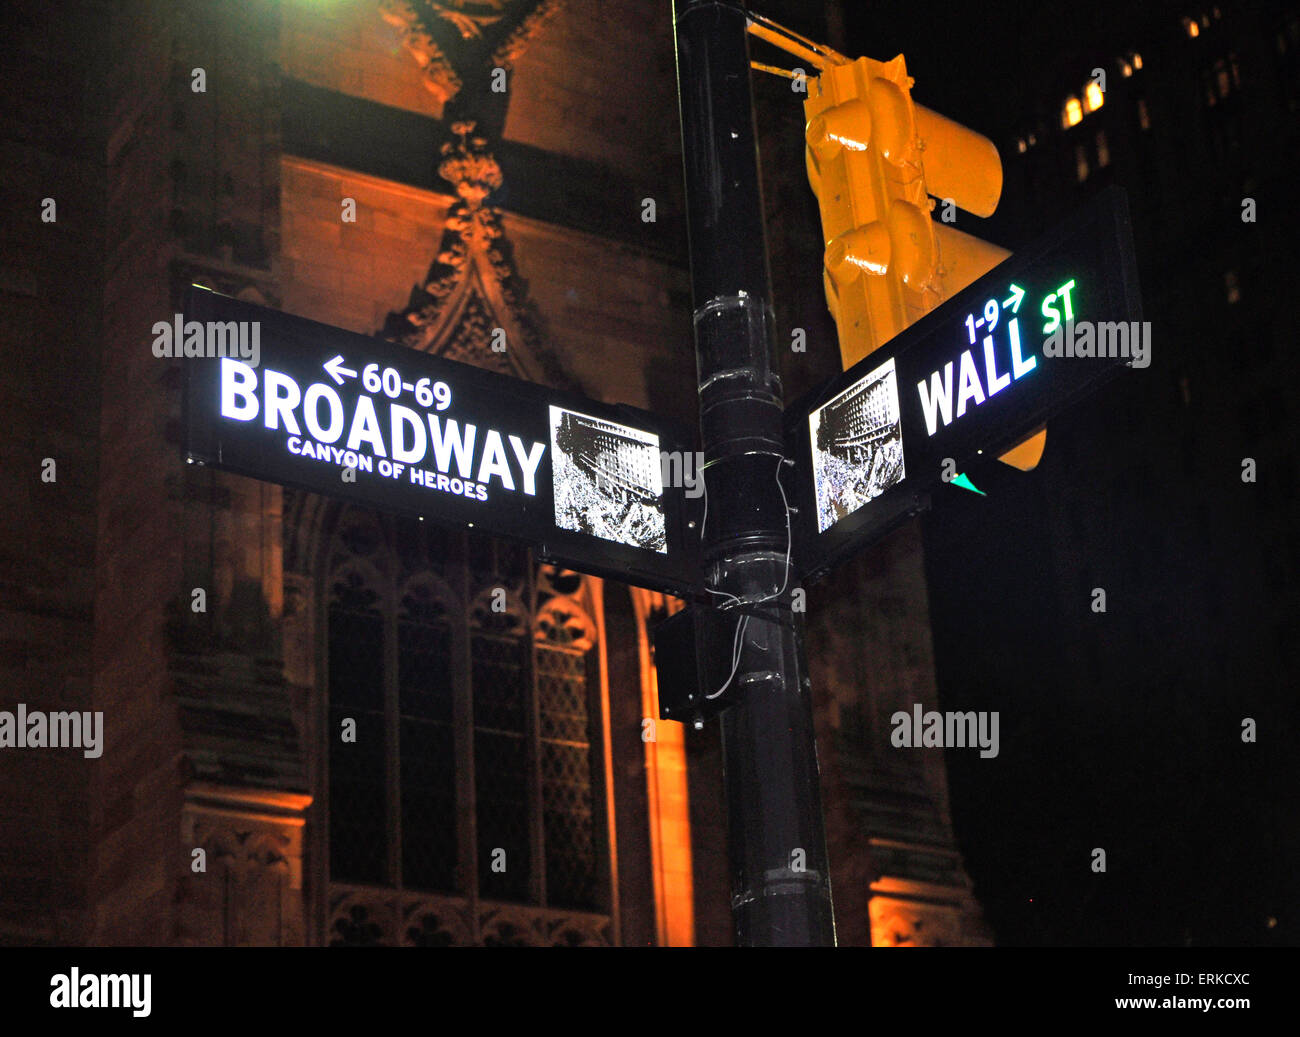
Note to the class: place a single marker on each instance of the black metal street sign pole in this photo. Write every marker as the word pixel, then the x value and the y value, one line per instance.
pixel 781 892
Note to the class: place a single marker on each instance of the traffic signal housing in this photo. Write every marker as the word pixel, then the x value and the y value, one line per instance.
pixel 875 159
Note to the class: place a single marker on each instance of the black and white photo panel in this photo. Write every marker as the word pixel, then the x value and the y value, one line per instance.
pixel 857 445
pixel 608 480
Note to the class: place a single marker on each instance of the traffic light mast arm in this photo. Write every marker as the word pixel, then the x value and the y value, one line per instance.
pixel 784 73
pixel 818 55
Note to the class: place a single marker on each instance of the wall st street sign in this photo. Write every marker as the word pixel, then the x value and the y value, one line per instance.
pixel 342 414
pixel 973 377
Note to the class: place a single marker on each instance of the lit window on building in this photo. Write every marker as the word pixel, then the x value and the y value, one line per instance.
pixel 1193 29
pixel 1093 96
pixel 1137 61
pixel 1288 37
pixel 1021 146
pixel 1103 149
pixel 1081 162
pixel 1073 113
pixel 1144 118
pixel 1032 140
pixel 1221 78
pixel 1234 289
pixel 1125 68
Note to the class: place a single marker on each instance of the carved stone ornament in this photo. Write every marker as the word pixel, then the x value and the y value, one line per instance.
pixel 458 40
pixel 364 916
pixel 472 305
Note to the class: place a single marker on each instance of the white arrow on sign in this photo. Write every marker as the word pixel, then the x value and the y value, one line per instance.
pixel 1017 293
pixel 335 369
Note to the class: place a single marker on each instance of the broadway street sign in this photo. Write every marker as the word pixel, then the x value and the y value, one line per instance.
pixel 315 407
pixel 978 374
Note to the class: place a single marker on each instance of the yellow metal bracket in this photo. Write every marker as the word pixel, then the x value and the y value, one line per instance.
pixel 816 54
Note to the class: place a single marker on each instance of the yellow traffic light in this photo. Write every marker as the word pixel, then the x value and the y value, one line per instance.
pixel 875 158
pixel 864 167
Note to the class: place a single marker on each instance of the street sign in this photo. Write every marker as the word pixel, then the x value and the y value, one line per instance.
pixel 981 372
pixel 323 409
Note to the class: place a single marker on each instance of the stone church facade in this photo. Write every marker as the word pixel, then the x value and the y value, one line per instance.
pixel 502 788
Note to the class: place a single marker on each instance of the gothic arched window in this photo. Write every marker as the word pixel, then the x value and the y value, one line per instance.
pixel 358 839
pixel 564 680
pixel 426 740
pixel 469 676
